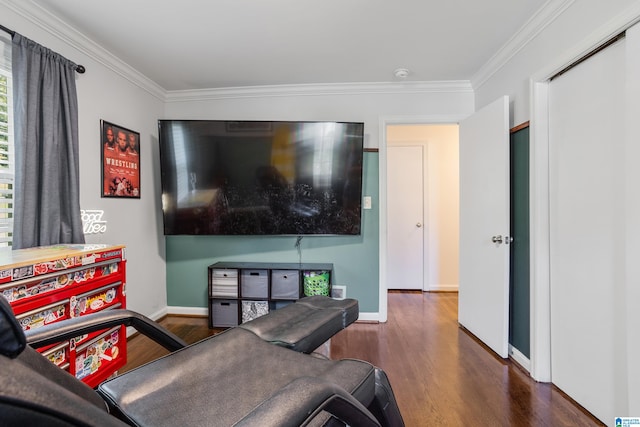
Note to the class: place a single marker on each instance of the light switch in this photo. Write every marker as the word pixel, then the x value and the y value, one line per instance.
pixel 366 202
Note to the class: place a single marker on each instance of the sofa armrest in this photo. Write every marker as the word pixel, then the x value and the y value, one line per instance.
pixel 302 399
pixel 71 328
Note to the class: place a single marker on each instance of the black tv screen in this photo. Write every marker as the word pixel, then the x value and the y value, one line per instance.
pixel 261 177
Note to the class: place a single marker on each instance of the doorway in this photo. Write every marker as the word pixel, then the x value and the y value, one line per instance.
pixel 422 243
pixel 439 193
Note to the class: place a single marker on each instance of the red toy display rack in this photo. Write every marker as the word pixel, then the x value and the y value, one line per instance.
pixel 50 283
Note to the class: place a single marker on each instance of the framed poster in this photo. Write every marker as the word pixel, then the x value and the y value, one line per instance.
pixel 120 161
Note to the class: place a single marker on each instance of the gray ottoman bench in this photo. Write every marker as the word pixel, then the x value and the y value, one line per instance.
pixel 306 324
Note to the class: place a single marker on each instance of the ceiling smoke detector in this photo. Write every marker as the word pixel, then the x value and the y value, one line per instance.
pixel 401 73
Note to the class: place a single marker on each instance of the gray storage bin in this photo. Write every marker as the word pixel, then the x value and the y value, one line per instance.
pixel 254 283
pixel 224 313
pixel 285 284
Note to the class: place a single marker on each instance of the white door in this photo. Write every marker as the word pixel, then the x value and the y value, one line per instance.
pixel 483 300
pixel 405 228
pixel 589 223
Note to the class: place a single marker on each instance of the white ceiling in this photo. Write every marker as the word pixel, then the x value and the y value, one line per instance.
pixel 207 44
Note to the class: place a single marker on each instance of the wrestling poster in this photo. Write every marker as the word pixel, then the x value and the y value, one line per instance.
pixel 120 161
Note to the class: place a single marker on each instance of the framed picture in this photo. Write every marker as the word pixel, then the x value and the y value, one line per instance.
pixel 120 161
pixel 338 292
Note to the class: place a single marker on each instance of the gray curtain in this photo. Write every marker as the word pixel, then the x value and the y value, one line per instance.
pixel 46 192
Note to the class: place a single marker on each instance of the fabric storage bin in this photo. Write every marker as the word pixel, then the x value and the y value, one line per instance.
pixel 224 283
pixel 254 309
pixel 254 284
pixel 224 313
pixel 285 284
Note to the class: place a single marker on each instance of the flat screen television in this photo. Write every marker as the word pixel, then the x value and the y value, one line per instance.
pixel 261 177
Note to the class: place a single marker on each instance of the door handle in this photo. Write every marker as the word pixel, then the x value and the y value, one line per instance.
pixel 499 239
pixel 418 225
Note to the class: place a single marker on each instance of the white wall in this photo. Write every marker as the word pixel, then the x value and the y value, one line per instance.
pixel 442 195
pixel 136 223
pixel 105 94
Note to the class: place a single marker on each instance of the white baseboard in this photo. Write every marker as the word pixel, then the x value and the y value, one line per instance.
pixel 520 358
pixel 188 311
pixel 443 288
pixel 159 314
pixel 369 317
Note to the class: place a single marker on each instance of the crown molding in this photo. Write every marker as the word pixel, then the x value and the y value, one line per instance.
pixel 63 31
pixel 461 86
pixel 534 26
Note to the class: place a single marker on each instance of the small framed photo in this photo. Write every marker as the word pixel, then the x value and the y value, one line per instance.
pixel 120 161
pixel 338 292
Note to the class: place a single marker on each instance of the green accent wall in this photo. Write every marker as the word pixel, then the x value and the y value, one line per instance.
pixel 355 258
pixel 519 299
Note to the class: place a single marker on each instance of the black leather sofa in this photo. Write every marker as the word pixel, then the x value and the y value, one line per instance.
pixel 258 374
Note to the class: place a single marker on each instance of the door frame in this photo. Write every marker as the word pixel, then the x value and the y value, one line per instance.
pixel 539 228
pixel 382 182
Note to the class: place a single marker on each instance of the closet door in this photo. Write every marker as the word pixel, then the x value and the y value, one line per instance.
pixel 587 205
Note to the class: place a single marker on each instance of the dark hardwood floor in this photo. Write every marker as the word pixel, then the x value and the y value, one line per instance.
pixel 441 375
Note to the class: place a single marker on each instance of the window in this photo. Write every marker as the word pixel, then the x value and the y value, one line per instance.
pixel 6 143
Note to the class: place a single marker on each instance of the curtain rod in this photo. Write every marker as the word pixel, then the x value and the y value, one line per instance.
pixel 79 68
